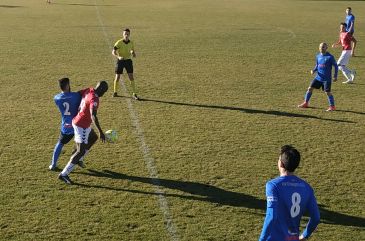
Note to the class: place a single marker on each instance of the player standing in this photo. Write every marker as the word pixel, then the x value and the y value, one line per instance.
pixel 68 103
pixel 288 197
pixel 324 63
pixel 350 28
pixel 345 40
pixel 82 126
pixel 124 50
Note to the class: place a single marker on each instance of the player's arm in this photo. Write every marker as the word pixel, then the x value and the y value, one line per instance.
pixel 133 53
pixel 315 69
pixel 115 52
pixel 271 211
pixel 97 124
pixel 314 218
pixel 334 63
pixel 336 44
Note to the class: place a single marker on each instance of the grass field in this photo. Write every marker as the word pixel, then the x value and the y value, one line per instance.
pixel 220 82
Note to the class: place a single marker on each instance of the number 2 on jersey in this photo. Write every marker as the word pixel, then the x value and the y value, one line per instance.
pixel 67 108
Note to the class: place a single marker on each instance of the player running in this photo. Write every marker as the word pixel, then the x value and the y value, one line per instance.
pixel 324 63
pixel 345 40
pixel 82 126
pixel 288 198
pixel 124 50
pixel 350 28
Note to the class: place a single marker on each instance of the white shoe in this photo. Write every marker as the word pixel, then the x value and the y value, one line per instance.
pixel 347 82
pixel 353 75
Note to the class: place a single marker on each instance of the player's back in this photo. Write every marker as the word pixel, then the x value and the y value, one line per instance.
pixel 89 102
pixel 293 197
pixel 68 105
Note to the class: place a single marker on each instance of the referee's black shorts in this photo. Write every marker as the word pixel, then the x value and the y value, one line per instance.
pixel 126 64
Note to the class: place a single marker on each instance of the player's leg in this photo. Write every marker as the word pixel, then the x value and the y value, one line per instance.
pixel 342 62
pixel 63 140
pixel 331 100
pixel 118 72
pixel 129 68
pixel 315 84
pixel 116 79
pixel 354 42
pixel 93 137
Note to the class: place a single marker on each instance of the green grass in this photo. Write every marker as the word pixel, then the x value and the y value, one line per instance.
pixel 221 81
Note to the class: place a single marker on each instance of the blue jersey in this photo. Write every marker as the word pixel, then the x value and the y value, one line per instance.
pixel 288 197
pixel 68 104
pixel 350 19
pixel 323 67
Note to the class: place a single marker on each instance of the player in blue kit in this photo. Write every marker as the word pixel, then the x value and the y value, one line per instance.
pixel 323 79
pixel 68 104
pixel 288 197
pixel 350 28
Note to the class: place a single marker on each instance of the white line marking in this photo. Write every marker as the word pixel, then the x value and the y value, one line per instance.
pixel 149 160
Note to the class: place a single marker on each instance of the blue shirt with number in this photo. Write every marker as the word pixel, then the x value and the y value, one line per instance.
pixel 288 197
pixel 68 104
pixel 324 63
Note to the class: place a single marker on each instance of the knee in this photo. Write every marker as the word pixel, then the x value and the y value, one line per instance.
pixel 310 89
pixel 329 93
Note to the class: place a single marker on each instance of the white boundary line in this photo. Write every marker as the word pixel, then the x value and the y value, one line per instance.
pixel 149 160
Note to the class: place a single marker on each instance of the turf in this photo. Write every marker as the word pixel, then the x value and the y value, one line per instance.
pixel 220 81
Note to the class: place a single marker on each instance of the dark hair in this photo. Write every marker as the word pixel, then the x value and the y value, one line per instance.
pixel 344 24
pixel 348 8
pixel 127 30
pixel 63 83
pixel 102 86
pixel 290 157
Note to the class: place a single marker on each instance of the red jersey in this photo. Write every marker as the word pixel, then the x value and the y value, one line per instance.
pixel 89 102
pixel 345 39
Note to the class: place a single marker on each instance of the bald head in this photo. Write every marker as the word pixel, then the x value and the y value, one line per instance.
pixel 323 48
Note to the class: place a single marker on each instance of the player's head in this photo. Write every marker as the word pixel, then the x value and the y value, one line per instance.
pixel 101 88
pixel 289 158
pixel 348 10
pixel 126 33
pixel 323 47
pixel 343 27
pixel 65 84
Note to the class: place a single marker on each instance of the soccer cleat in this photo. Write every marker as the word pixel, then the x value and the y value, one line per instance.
pixel 347 82
pixel 353 75
pixel 81 164
pixel 115 94
pixel 331 108
pixel 66 179
pixel 303 105
pixel 135 97
pixel 52 168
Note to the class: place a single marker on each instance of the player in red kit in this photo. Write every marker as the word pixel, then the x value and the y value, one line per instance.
pixel 345 41
pixel 82 126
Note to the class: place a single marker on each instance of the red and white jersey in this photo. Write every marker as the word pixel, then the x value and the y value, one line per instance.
pixel 89 102
pixel 345 39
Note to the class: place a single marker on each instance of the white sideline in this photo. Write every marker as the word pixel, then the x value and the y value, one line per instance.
pixel 149 160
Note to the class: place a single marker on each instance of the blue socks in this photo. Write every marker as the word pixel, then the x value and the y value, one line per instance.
pixel 56 153
pixel 307 96
pixel 331 100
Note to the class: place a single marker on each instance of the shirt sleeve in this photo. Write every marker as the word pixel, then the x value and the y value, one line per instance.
pixel 314 217
pixel 316 66
pixel 271 211
pixel 334 63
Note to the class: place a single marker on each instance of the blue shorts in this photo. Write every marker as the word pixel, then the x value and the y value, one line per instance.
pixel 326 85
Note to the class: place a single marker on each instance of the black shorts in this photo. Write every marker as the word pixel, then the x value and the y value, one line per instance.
pixel 64 138
pixel 325 86
pixel 124 63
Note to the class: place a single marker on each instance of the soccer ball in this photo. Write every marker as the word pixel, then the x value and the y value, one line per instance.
pixel 111 136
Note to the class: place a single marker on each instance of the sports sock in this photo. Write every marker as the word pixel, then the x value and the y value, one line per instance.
pixel 82 158
pixel 133 86
pixel 307 96
pixel 68 169
pixel 115 85
pixel 331 100
pixel 345 71
pixel 56 153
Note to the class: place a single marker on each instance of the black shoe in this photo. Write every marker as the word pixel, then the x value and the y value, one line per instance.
pixel 115 94
pixel 135 97
pixel 66 179
pixel 81 164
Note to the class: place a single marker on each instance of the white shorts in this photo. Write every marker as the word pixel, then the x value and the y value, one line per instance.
pixel 81 134
pixel 344 58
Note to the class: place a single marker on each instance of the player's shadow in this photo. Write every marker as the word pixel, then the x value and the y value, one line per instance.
pixel 10 6
pixel 208 193
pixel 247 110
pixel 86 5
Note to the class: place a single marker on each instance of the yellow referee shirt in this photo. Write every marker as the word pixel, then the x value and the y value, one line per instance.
pixel 124 48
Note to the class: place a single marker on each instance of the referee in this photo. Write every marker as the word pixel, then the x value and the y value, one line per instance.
pixel 124 50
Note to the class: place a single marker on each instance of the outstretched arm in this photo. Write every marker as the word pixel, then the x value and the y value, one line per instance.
pixel 96 123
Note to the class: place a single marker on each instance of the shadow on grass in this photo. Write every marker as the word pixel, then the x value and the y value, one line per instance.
pixel 86 5
pixel 10 6
pixel 246 110
pixel 209 193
